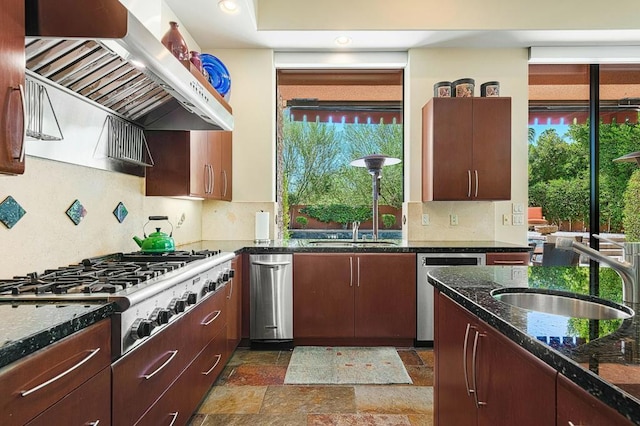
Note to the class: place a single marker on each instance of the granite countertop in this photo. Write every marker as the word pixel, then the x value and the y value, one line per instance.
pixel 28 327
pixel 607 364
pixel 394 246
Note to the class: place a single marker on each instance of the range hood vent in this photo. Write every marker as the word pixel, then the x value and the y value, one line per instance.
pixel 103 54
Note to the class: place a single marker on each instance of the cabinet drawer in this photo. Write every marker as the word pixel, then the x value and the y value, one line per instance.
pixel 208 319
pixel 140 377
pixel 507 259
pixel 179 402
pixel 90 404
pixel 32 385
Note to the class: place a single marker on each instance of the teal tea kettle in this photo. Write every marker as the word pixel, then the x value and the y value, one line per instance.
pixel 156 242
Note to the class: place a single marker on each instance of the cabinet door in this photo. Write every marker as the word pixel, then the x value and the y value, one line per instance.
pixel 512 385
pixel 447 149
pixel 323 295
pixel 171 173
pixel 578 407
pixel 491 149
pixel 12 91
pixel 201 172
pixel 385 297
pixel 454 329
pixel 226 166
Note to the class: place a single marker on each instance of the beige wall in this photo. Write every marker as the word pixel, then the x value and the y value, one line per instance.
pixel 477 220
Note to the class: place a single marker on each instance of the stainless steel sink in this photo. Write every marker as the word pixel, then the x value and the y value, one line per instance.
pixel 562 303
pixel 350 243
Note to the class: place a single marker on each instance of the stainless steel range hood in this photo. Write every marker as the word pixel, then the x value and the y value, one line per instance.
pixel 98 50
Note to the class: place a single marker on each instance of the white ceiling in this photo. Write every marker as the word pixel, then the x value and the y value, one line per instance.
pixel 212 29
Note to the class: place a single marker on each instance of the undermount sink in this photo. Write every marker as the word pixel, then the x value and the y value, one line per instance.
pixel 562 303
pixel 350 243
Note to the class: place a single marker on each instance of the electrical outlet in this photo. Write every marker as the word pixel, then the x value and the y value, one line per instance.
pixel 180 218
pixel 453 219
pixel 425 219
pixel 506 219
pixel 518 219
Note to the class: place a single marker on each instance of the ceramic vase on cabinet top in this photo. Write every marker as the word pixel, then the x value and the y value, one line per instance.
pixel 174 41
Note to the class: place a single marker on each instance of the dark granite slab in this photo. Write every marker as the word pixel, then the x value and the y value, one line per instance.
pixel 395 246
pixel 28 327
pixel 606 364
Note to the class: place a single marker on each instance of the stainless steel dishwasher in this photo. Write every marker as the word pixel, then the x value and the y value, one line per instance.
pixel 271 297
pixel 424 291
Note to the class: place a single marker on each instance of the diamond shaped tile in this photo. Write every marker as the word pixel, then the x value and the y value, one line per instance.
pixel 120 212
pixel 10 212
pixel 76 212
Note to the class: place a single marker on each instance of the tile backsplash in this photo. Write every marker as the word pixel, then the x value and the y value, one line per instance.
pixel 45 237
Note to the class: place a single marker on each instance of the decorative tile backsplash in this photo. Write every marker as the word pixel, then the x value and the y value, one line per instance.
pixel 120 212
pixel 76 212
pixel 10 212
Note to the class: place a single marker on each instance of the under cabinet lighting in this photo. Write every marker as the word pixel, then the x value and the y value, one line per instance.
pixel 343 40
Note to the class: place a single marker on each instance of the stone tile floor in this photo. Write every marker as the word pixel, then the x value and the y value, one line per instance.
pixel 251 391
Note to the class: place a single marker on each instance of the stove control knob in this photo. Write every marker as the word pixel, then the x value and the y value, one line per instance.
pixel 141 328
pixel 225 275
pixel 211 285
pixel 190 297
pixel 232 273
pixel 161 316
pixel 177 305
pixel 220 278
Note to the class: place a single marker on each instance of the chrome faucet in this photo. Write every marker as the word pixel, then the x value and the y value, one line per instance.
pixel 629 269
pixel 354 229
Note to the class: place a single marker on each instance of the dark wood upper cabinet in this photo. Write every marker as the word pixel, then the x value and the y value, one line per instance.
pixel 196 164
pixel 12 101
pixel 466 149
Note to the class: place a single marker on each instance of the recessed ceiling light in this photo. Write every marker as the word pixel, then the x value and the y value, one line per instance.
pixel 343 40
pixel 229 6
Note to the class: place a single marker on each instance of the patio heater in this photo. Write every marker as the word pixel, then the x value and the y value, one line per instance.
pixel 374 164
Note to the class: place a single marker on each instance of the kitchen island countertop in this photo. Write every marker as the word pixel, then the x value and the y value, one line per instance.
pixel 28 327
pixel 606 365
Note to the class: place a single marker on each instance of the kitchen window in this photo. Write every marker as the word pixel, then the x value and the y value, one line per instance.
pixel 326 119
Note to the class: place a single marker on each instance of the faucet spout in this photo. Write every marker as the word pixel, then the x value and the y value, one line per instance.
pixel 629 270
pixel 354 228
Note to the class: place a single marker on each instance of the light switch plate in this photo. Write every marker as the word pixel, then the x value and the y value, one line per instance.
pixel 425 219
pixel 517 208
pixel 518 219
pixel 453 219
pixel 506 219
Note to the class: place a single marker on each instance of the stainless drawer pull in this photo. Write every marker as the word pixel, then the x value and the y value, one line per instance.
pixel 175 417
pixel 270 264
pixel 469 187
pixel 219 357
pixel 464 359
pixel 96 423
pixel 474 370
pixel 509 262
pixel 477 183
pixel 173 355
pixel 93 352
pixel 350 271
pixel 206 323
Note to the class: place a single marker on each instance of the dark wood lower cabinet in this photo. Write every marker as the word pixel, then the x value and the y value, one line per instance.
pixel 354 298
pixel 36 383
pixel 90 404
pixel 483 378
pixel 578 407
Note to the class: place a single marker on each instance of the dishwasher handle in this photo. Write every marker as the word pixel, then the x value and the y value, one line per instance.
pixel 270 264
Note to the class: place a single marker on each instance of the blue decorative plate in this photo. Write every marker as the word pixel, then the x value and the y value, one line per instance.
pixel 218 73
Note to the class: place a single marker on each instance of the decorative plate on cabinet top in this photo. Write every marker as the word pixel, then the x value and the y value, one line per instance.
pixel 218 73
